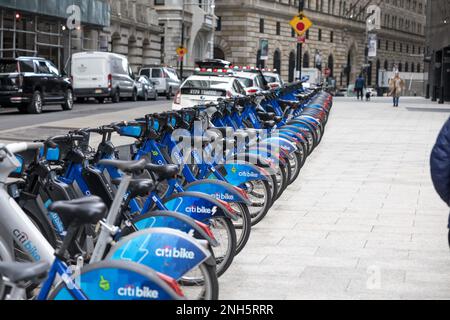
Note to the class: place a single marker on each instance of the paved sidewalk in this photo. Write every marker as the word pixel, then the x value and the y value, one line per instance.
pixel 362 221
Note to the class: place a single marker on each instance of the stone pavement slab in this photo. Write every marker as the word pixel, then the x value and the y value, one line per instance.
pixel 362 221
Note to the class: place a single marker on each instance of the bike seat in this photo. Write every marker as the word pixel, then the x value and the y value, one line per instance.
pixel 125 166
pixel 24 272
pixel 89 210
pixel 269 124
pixel 289 103
pixel 138 187
pixel 266 116
pixel 163 172
pixel 196 139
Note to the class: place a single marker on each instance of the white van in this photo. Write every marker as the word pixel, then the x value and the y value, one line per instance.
pixel 102 75
pixel 165 79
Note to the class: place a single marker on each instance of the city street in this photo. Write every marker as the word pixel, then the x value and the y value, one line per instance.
pixel 362 221
pixel 54 121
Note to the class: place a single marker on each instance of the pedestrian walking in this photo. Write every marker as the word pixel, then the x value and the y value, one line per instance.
pixel 440 165
pixel 360 85
pixel 396 87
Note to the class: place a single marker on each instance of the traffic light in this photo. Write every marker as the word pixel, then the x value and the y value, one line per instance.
pixel 18 16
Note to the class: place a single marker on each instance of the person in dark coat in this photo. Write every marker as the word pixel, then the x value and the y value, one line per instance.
pixel 360 85
pixel 440 165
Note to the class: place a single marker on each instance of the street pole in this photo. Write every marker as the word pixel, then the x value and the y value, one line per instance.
pixel 182 43
pixel 301 6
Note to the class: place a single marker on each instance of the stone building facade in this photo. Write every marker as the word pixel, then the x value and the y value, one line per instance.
pixel 338 35
pixel 438 50
pixel 198 19
pixel 135 32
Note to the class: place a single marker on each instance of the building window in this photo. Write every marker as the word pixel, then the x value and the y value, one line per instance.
pixel 159 2
pixel 219 24
pixel 320 35
pixel 261 25
pixel 331 36
pixel 278 28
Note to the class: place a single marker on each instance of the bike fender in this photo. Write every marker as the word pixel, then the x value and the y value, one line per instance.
pixel 168 251
pixel 219 190
pixel 172 220
pixel 199 206
pixel 239 173
pixel 283 143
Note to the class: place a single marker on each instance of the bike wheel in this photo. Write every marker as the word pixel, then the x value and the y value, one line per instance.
pixel 201 283
pixel 225 234
pixel 259 194
pixel 295 161
pixel 243 226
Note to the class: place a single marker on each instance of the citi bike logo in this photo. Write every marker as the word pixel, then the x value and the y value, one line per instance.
pixel 104 284
pixel 131 291
pixel 223 196
pixel 169 252
pixel 201 210
pixel 248 174
pixel 22 237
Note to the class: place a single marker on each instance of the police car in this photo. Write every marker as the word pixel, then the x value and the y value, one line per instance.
pixel 207 85
pixel 273 78
pixel 251 79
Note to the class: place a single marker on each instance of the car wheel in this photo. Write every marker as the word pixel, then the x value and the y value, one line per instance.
pixel 68 104
pixel 155 97
pixel 116 96
pixel 35 106
pixel 101 100
pixel 145 95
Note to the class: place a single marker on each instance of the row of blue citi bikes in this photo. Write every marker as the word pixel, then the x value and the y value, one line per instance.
pixel 143 222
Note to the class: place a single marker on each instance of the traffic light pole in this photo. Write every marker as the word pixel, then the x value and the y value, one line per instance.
pixel 301 6
pixel 182 44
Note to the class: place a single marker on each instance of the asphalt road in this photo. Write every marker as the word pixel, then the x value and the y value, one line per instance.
pixel 12 119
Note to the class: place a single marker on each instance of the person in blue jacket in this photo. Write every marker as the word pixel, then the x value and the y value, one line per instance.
pixel 360 85
pixel 440 165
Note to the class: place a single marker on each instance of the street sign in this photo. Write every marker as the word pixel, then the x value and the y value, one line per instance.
pixel 181 51
pixel 301 39
pixel 301 23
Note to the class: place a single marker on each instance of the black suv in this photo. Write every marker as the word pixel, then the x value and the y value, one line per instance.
pixel 29 83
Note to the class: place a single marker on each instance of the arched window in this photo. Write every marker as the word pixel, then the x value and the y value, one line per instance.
pixel 400 67
pixel 386 65
pixel 418 67
pixel 331 65
pixel 406 67
pixel 218 53
pixel 306 60
pixel 291 66
pixel 277 61
pixel 413 69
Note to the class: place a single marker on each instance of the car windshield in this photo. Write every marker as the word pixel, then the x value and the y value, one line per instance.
pixel 143 80
pixel 205 84
pixel 246 83
pixel 172 74
pixel 8 66
pixel 271 79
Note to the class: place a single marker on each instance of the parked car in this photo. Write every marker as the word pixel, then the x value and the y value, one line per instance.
pixel 102 75
pixel 205 87
pixel 166 79
pixel 146 89
pixel 273 79
pixel 30 83
pixel 252 82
